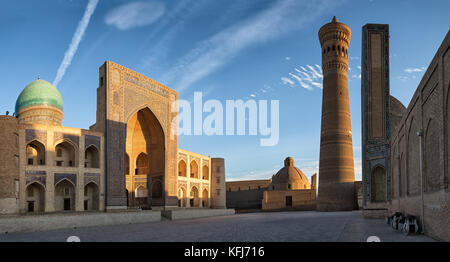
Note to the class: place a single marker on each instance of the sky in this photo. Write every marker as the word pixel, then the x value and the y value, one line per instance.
pixel 226 49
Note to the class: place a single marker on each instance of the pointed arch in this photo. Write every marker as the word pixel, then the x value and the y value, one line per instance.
pixel 205 172
pixel 35 197
pixel 92 157
pixel 193 197
pixel 194 169
pixel 91 196
pixel 145 142
pixel 205 198
pixel 35 151
pixel 64 195
pixel 432 150
pixel 182 168
pixel 66 153
pixel 142 164
pixel 412 178
pixel 66 179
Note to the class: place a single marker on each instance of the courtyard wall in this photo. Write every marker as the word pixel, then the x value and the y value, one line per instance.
pixel 428 112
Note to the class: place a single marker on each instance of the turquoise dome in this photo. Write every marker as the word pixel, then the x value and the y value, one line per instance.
pixel 39 92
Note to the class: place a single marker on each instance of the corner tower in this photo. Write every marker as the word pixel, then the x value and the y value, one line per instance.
pixel 336 166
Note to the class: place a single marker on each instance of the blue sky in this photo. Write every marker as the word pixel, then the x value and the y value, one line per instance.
pixel 227 49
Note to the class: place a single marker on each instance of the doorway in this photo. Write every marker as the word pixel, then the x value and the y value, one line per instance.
pixel 66 203
pixel 288 201
pixel 30 206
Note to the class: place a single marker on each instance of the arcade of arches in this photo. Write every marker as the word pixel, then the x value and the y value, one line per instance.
pixel 194 190
pixel 63 170
pixel 129 159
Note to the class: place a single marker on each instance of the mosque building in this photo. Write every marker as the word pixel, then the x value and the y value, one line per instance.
pixel 288 189
pixel 129 159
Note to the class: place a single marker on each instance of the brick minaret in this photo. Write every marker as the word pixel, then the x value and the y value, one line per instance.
pixel 336 169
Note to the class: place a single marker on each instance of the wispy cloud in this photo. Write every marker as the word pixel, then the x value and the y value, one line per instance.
pixel 134 14
pixel 414 70
pixel 76 39
pixel 167 29
pixel 286 80
pixel 281 18
pixel 300 81
pixel 308 77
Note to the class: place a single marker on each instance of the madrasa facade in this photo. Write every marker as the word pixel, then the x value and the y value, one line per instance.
pixel 406 149
pixel 129 159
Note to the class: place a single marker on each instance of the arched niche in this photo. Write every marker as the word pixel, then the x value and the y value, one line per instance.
pixel 65 154
pixel 194 169
pixel 205 172
pixel 145 143
pixel 193 197
pixel 182 168
pixel 35 151
pixel 64 196
pixel 205 198
pixel 91 196
pixel 35 197
pixel 92 157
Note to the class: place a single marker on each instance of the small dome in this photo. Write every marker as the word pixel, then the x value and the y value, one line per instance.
pixel 40 103
pixel 289 177
pixel 39 92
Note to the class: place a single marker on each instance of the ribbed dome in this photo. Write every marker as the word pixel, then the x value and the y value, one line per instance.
pixel 289 177
pixel 39 92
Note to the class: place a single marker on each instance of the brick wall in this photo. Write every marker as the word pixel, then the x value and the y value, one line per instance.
pixel 304 199
pixel 247 184
pixel 428 112
pixel 9 160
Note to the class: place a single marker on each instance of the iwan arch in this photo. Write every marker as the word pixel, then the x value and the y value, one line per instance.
pixel 128 159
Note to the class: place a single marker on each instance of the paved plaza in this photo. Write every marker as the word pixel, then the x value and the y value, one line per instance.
pixel 307 226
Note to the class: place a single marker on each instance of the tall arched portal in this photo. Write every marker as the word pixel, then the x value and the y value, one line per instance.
pixel 145 147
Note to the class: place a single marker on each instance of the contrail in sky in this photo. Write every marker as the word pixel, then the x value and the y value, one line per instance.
pixel 82 25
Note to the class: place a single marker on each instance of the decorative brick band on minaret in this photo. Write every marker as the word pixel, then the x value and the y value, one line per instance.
pixel 336 167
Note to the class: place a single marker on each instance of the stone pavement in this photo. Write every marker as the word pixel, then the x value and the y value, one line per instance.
pixel 307 226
